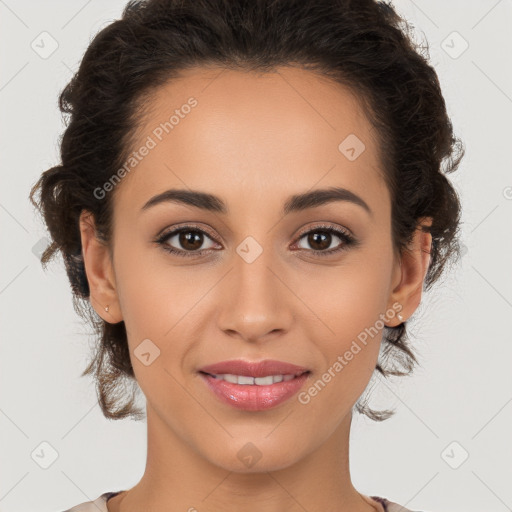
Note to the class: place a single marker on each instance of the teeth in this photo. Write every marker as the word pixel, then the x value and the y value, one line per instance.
pixel 259 381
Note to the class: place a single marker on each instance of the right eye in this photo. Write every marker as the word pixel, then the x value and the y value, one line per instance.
pixel 189 237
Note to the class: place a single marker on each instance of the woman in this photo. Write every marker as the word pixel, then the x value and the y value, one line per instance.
pixel 252 197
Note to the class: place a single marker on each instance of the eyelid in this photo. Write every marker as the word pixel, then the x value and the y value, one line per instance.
pixel 325 225
pixel 166 232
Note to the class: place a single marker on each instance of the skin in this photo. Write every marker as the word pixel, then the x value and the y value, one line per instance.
pixel 254 140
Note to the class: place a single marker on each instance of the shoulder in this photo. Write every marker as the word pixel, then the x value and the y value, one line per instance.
pixel 391 506
pixel 100 504
pixel 97 505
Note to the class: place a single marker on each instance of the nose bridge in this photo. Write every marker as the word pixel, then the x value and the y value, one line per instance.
pixel 254 304
pixel 253 263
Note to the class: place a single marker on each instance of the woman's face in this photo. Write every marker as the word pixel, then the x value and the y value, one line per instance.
pixel 269 283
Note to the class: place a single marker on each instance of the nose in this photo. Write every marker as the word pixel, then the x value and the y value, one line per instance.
pixel 254 299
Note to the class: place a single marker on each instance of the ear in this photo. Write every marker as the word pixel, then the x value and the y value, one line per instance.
pixel 99 271
pixel 412 270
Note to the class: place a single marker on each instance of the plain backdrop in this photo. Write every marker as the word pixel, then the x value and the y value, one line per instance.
pixel 448 447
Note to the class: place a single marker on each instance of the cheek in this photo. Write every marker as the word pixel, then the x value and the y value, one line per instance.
pixel 161 302
pixel 349 353
pixel 156 302
pixel 346 325
pixel 153 293
pixel 348 299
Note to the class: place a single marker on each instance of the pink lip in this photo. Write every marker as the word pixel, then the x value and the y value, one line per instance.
pixel 253 369
pixel 254 397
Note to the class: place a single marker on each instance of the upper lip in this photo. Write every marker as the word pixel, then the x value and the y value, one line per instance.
pixel 254 369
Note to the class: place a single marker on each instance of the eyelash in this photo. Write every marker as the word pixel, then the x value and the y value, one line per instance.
pixel 347 239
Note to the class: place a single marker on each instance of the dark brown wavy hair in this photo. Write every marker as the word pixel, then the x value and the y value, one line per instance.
pixel 362 44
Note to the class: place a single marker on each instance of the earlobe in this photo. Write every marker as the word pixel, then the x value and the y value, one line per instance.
pixel 414 265
pixel 99 271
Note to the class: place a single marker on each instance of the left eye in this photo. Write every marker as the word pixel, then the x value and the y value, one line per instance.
pixel 320 239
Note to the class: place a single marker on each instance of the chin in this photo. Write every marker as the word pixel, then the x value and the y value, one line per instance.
pixel 256 456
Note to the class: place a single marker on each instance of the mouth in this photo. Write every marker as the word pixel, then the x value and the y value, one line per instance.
pixel 255 369
pixel 249 380
pixel 250 393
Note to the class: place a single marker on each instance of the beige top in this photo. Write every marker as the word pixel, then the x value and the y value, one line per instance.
pixel 100 504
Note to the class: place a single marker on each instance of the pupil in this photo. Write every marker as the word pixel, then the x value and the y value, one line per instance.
pixel 314 240
pixel 187 238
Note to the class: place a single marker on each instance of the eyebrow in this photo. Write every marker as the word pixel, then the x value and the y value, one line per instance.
pixel 295 203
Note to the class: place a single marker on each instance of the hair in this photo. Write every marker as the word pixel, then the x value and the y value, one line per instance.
pixel 363 45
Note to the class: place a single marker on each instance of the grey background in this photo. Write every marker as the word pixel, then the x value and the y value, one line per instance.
pixel 457 404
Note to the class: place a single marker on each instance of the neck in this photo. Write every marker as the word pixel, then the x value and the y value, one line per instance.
pixel 178 478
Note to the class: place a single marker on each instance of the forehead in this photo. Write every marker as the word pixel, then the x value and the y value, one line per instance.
pixel 238 133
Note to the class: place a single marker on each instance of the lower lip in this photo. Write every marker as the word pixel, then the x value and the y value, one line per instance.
pixel 253 397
